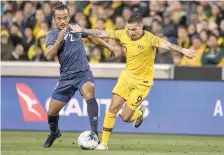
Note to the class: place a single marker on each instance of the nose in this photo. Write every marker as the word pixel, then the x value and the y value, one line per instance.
pixel 131 33
pixel 63 21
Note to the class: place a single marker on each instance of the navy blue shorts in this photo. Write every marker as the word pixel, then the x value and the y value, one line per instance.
pixel 67 86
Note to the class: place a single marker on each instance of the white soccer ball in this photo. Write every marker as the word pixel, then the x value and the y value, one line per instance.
pixel 88 140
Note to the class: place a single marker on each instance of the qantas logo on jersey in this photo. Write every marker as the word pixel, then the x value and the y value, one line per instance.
pixel 31 107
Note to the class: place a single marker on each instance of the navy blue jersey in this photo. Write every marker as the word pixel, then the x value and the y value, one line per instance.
pixel 71 54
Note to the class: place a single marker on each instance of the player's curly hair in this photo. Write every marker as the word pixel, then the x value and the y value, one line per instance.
pixel 59 6
pixel 135 17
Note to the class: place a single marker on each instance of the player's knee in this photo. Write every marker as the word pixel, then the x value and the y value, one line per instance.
pixel 125 118
pixel 52 112
pixel 114 109
pixel 88 91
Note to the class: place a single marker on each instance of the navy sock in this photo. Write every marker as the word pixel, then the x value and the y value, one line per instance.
pixel 92 109
pixel 53 123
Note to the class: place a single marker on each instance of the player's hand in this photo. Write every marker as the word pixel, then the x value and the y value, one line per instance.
pixel 61 35
pixel 75 28
pixel 113 51
pixel 189 53
pixel 111 54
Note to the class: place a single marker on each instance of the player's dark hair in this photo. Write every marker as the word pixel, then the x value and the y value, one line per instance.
pixel 59 6
pixel 135 17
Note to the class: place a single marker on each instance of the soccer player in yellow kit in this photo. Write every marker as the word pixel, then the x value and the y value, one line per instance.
pixel 136 79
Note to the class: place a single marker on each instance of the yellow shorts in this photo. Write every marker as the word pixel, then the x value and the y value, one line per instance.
pixel 132 90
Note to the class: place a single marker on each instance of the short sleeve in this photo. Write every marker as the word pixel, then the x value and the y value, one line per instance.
pixel 155 41
pixel 116 34
pixel 50 38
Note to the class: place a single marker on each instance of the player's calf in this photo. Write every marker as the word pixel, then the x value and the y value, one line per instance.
pixel 126 118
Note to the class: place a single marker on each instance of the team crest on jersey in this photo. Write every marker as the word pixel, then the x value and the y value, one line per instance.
pixel 140 46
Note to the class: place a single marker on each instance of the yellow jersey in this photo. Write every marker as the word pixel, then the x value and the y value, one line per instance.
pixel 140 54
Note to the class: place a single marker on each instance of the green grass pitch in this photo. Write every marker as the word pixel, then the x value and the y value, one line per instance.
pixel 30 143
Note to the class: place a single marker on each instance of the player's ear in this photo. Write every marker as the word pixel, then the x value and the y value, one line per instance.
pixel 141 25
pixel 53 19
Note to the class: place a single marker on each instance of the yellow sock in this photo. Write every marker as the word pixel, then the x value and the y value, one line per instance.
pixel 136 115
pixel 108 125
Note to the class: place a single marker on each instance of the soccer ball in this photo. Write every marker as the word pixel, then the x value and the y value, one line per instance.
pixel 88 140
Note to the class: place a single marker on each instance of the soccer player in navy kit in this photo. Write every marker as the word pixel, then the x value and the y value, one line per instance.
pixel 75 72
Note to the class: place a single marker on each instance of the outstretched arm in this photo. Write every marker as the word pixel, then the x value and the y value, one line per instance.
pixel 169 46
pixel 92 32
pixel 102 43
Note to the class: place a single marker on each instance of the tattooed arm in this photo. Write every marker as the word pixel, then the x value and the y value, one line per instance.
pixel 172 47
pixel 101 42
pixel 92 32
pixel 96 33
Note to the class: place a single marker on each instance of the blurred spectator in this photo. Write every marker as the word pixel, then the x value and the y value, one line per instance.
pixel 221 38
pixel 157 28
pixel 44 26
pixel 126 13
pixel 19 20
pixel 155 9
pixel 183 39
pixel 72 9
pixel 16 34
pixel 213 55
pixel 28 12
pixel 48 12
pixel 7 18
pixel 169 28
pixel 120 23
pixel 192 30
pixel 216 15
pixel 100 24
pixel 37 51
pixel 206 7
pixel 193 19
pixel 204 36
pixel 18 54
pixel 6 45
pixel 28 40
pixel 177 57
pixel 7 6
pixel 201 12
pixel 177 12
pixel 40 18
pixel 95 56
pixel 163 57
pixel 196 45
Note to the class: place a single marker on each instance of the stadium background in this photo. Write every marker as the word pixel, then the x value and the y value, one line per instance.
pixel 187 98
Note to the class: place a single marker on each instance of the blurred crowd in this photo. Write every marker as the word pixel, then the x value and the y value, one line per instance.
pixel 197 25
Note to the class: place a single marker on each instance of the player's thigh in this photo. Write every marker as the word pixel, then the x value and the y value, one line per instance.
pixel 126 113
pixel 61 95
pixel 122 88
pixel 137 95
pixel 86 86
pixel 116 103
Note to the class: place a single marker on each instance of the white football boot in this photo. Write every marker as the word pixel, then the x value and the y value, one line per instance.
pixel 101 147
pixel 139 121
